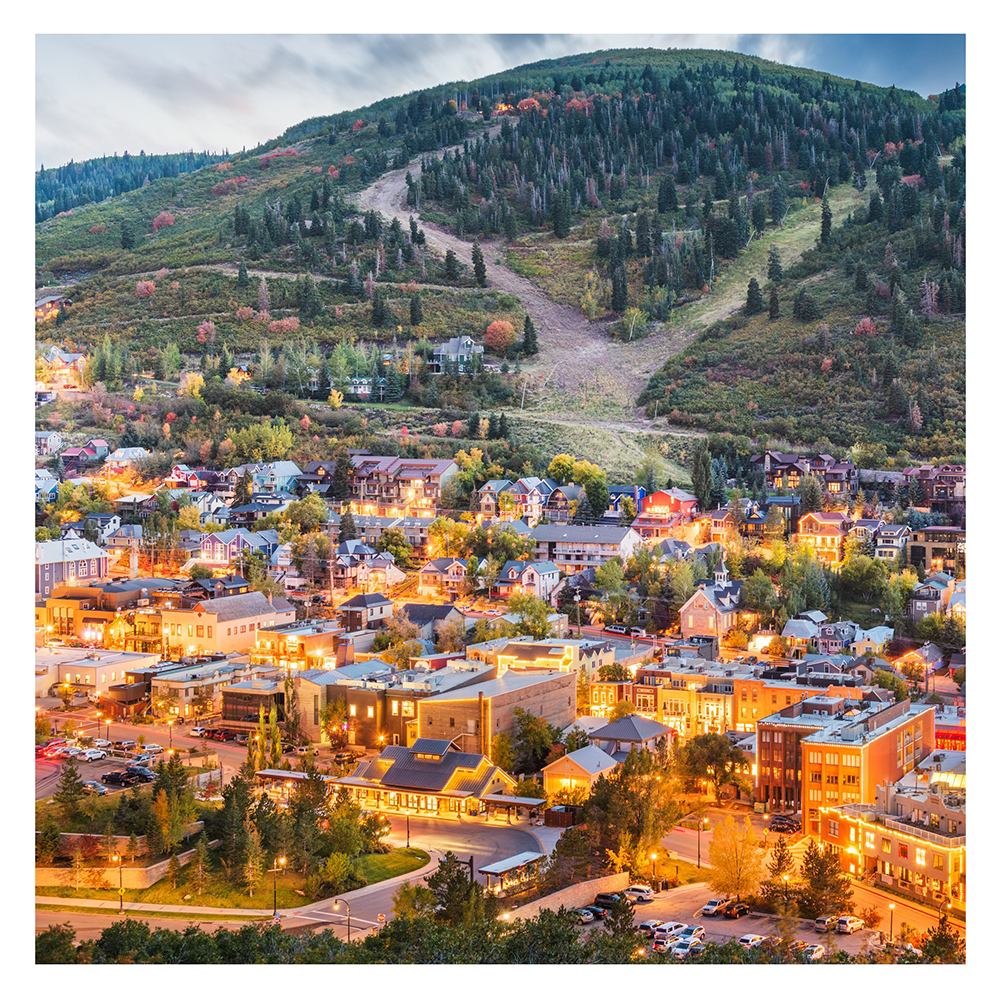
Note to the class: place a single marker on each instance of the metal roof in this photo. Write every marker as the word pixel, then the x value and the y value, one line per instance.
pixel 518 860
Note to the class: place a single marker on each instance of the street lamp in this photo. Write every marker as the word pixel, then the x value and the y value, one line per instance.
pixel 121 889
pixel 170 732
pixel 785 877
pixel 336 906
pixel 279 864
pixel 107 730
pixel 892 907
pixel 765 829
pixel 407 829
pixel 576 601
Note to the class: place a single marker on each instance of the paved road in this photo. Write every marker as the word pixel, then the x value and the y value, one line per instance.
pixel 88 926
pixel 486 843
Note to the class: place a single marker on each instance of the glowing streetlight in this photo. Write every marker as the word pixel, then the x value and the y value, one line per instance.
pixel 892 907
pixel 336 906
pixel 279 864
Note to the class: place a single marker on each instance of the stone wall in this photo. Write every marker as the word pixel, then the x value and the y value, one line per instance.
pixel 107 878
pixel 68 841
pixel 581 894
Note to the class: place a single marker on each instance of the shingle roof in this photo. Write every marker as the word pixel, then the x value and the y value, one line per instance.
pixel 591 759
pixel 453 773
pixel 365 601
pixel 631 729
pixel 241 605
pixel 423 613
pixel 611 535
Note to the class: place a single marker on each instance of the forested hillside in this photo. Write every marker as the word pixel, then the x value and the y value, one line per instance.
pixel 730 245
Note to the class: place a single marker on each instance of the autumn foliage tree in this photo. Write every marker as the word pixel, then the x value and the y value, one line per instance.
pixel 500 336
pixel 162 220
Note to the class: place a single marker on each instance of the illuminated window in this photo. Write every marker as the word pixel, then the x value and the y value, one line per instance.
pixel 371 711
pixel 938 862
pixel 395 708
pixel 869 840
pixel 353 710
pixel 886 845
pixel 921 856
pixel 904 851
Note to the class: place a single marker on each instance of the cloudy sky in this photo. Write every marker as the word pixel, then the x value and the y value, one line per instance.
pixel 98 94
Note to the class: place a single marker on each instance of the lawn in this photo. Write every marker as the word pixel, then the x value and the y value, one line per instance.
pixel 220 892
pixel 685 871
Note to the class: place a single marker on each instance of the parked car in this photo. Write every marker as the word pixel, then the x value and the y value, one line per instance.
pixel 125 744
pixel 197 731
pixel 102 744
pixel 650 925
pixel 142 774
pixel 153 748
pixel 735 910
pixel 583 916
pixel 714 907
pixel 95 788
pixel 850 925
pixel 813 952
pixel 663 943
pixel 55 741
pixel 751 940
pixel 242 739
pixel 639 893
pixel 94 754
pixel 306 748
pixel 695 949
pixel 672 928
pixel 118 778
pixel 600 912
pixel 824 924
pixel 638 633
pixel 60 752
pixel 784 824
pixel 607 898
pixel 345 757
pixel 616 629
pixel 142 759
pixel 681 948
pixel 693 931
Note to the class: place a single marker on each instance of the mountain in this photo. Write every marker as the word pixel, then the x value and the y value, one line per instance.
pixel 625 199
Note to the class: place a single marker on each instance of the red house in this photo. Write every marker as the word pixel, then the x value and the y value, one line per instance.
pixel 666 502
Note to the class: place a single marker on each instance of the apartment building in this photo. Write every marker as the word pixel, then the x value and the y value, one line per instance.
pixel 298 645
pixel 939 550
pixel 72 560
pixel 786 471
pixel 387 485
pixel 911 840
pixel 828 751
pixel 943 486
pixel 192 690
pixel 576 547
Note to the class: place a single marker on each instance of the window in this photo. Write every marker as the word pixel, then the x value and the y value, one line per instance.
pixel 834 828
pixel 200 631
pixel 210 631
pixel 371 711
pixel 832 779
pixel 353 710
pixel 778 737
pixel 190 631
pixel 886 845
pixel 904 851
pixel 395 707
pixel 407 708
pixel 816 777
pixel 853 834
pixel 243 628
pixel 833 758
pixel 938 862
pixel 815 795
pixel 921 858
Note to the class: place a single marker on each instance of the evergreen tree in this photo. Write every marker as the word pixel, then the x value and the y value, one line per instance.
pixel 773 310
pixel 779 202
pixel 478 264
pixel 451 266
pixel 378 309
pixel 128 235
pixel 782 862
pixel 69 790
pixel 860 277
pixel 619 290
pixel 173 871
pixel 643 243
pixel 474 425
pixel 584 513
pixel 251 862
pixel 242 491
pixel 755 301
pixel 775 272
pixel 701 475
pixel 341 486
pixel 416 310
pixel 347 529
pixel 826 223
pixel 49 841
pixel 199 866
pixel 826 888
pixel 666 198
pixel 243 279
pixel 530 337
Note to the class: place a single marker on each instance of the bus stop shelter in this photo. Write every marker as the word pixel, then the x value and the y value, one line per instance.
pixel 511 872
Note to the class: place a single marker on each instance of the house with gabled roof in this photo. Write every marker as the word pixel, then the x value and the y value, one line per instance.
pixel 443 577
pixel 365 611
pixel 713 609
pixel 932 596
pixel 576 770
pixel 521 576
pixel 123 459
pixel 47 442
pixel 890 541
pixel 631 732
pixel 457 355
pixel 825 533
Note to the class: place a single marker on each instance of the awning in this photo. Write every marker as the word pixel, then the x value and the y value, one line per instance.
pixel 510 864
pixel 511 800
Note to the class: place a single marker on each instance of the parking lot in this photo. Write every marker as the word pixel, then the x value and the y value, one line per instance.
pixel 685 902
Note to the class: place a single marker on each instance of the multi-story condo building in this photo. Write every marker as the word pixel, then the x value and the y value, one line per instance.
pixel 943 486
pixel 786 471
pixel 575 547
pixel 393 486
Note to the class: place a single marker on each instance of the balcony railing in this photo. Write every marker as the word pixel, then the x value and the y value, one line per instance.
pixel 945 840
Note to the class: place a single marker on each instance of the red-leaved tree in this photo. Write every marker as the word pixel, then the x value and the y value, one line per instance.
pixel 143 289
pixel 500 336
pixel 162 220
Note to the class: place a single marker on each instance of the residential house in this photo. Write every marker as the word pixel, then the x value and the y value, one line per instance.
pixel 577 547
pixel 429 618
pixel 265 477
pixel 562 502
pixel 576 772
pixel 833 637
pixel 785 471
pixel 667 502
pixel 923 662
pixel 618 493
pixel 519 576
pixel 455 356
pixel 713 609
pixel 70 560
pixel 65 367
pixel 182 477
pixel 220 548
pixel 315 476
pixel 47 442
pixel 47 306
pixel 46 486
pixel 105 525
pixel 932 596
pixel 865 529
pixel 825 533
pixel 390 485
pixel 444 577
pixel 890 541
pixel 123 460
pixel 790 507
pixel 488 499
pixel 800 633
pixel 872 641
pixel 221 624
pixel 956 603
pixel 365 611
pixel 939 550
pixel 304 645
pixel 355 565
pixel 943 486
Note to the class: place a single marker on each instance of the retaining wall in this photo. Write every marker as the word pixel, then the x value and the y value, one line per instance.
pixel 581 894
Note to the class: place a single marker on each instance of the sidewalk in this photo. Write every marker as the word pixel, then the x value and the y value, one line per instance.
pixel 112 904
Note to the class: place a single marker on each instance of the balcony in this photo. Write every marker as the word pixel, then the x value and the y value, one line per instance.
pixel 918 829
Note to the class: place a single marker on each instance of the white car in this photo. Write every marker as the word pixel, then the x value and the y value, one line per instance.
pixel 649 926
pixel 695 932
pixel 681 948
pixel 714 907
pixel 813 952
pixel 102 743
pixel 751 940
pixel 153 748
pixel 670 929
pixel 93 754
pixel 640 893
pixel 197 731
